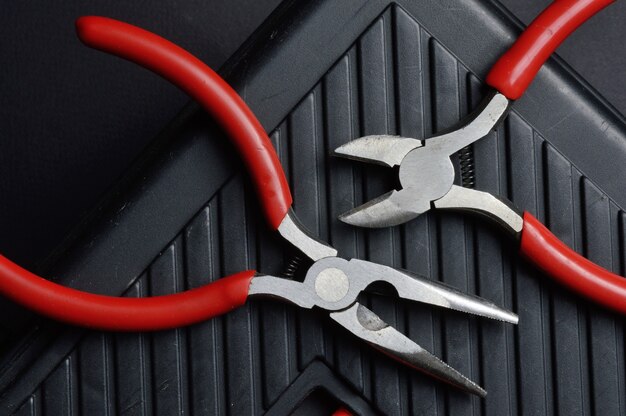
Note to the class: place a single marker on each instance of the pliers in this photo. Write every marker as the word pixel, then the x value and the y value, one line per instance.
pixel 426 172
pixel 331 283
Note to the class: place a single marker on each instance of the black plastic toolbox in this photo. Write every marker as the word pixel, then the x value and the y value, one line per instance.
pixel 318 74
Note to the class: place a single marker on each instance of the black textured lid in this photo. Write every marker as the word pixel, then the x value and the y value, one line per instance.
pixel 318 75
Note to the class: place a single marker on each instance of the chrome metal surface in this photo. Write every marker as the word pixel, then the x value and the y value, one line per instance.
pixel 483 203
pixel 392 208
pixel 426 172
pixel 380 149
pixel 367 326
pixel 420 289
pixel 291 230
pixel 334 283
pixel 360 274
pixel 266 286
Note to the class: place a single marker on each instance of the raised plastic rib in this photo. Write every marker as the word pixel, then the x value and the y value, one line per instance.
pixel 112 313
pixel 199 81
pixel 568 267
pixel 517 67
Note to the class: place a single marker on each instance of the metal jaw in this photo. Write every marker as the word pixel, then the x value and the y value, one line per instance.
pixel 333 284
pixel 426 172
pixel 366 325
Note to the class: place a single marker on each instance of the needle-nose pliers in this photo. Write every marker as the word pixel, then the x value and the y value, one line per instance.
pixel 426 172
pixel 331 283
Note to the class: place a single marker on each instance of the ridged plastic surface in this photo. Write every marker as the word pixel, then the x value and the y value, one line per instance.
pixel 565 357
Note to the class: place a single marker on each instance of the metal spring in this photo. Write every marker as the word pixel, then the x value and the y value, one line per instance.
pixel 292 267
pixel 468 171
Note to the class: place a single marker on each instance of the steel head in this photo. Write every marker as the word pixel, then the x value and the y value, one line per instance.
pixel 381 149
pixel 426 172
pixel 424 177
pixel 392 208
pixel 367 326
pixel 337 283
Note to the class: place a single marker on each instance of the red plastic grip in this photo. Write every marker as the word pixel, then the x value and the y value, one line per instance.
pixel 568 267
pixel 122 314
pixel 210 90
pixel 516 69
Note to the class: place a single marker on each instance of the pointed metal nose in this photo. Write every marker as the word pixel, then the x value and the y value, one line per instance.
pixel 366 325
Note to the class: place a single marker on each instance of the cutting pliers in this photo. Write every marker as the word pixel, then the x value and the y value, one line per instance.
pixel 426 172
pixel 331 283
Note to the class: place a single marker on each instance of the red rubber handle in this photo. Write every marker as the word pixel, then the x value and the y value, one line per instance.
pixel 210 90
pixel 162 312
pixel 516 69
pixel 551 255
pixel 122 314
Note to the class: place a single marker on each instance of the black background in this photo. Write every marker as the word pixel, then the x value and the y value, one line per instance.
pixel 73 119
